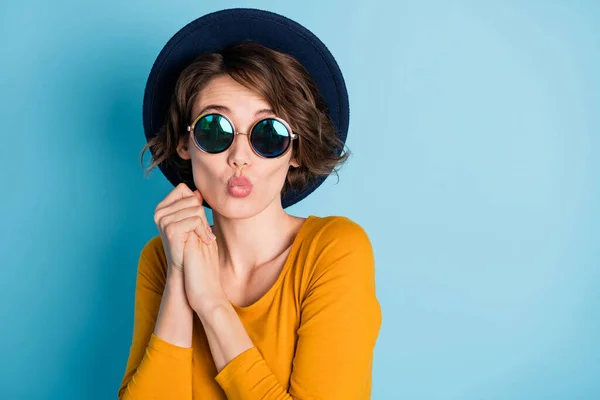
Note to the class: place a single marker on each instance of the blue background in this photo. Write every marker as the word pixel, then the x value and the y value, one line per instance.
pixel 478 184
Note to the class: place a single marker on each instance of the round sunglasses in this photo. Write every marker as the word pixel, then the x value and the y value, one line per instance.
pixel 269 137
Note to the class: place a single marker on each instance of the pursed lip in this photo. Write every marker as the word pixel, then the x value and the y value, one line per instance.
pixel 239 181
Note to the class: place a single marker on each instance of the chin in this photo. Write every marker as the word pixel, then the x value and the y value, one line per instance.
pixel 240 208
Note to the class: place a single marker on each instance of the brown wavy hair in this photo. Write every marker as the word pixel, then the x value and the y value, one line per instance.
pixel 284 83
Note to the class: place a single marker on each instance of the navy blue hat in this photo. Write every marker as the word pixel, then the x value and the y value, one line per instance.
pixel 212 33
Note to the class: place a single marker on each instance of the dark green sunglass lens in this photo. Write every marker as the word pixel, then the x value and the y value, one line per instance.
pixel 213 133
pixel 270 138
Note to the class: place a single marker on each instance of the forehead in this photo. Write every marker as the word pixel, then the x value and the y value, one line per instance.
pixel 232 96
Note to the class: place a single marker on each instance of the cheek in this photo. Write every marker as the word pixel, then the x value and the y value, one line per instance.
pixel 278 175
pixel 207 164
pixel 205 170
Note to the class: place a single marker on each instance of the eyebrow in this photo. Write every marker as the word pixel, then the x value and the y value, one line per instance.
pixel 225 109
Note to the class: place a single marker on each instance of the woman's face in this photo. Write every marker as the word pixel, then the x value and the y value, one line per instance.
pixel 212 172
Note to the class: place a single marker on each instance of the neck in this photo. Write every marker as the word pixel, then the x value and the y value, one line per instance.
pixel 246 243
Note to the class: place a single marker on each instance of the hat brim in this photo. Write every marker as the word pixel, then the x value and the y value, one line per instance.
pixel 215 31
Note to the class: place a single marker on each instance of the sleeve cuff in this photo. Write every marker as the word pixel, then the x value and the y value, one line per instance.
pixel 239 366
pixel 182 353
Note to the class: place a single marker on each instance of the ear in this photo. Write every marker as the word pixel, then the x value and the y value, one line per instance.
pixel 182 148
pixel 294 163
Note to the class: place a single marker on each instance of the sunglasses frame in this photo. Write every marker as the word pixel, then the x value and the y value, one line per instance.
pixel 293 136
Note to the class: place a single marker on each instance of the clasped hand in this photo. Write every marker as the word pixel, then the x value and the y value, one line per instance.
pixel 190 246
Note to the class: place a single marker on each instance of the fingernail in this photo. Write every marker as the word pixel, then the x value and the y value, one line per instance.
pixel 212 236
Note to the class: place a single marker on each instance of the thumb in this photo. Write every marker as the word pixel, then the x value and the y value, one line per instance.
pixel 192 241
pixel 201 233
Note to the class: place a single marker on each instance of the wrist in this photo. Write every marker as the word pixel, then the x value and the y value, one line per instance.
pixel 174 275
pixel 175 288
pixel 211 305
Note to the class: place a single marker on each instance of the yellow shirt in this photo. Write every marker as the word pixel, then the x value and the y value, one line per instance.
pixel 314 331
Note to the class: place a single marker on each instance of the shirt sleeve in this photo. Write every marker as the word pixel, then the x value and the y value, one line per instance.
pixel 156 369
pixel 340 322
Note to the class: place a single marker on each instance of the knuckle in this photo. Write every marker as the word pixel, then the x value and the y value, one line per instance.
pixel 161 222
pixel 184 188
pixel 170 230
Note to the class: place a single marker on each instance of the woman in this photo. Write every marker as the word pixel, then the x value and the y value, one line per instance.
pixel 263 304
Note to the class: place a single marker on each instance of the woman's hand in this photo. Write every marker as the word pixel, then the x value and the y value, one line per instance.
pixel 201 274
pixel 180 217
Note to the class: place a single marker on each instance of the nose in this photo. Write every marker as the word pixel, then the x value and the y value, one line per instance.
pixel 240 152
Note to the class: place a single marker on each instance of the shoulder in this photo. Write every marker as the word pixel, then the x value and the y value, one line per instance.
pixel 153 262
pixel 339 268
pixel 340 232
pixel 338 243
pixel 153 249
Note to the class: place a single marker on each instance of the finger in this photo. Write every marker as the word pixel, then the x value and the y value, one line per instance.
pixel 186 202
pixel 201 199
pixel 182 190
pixel 194 240
pixel 205 234
pixel 189 212
pixel 185 227
pixel 168 214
